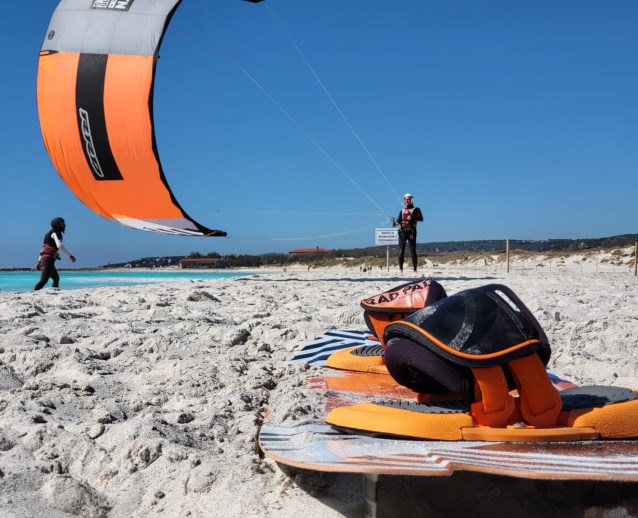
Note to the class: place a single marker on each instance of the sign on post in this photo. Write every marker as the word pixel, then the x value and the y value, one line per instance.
pixel 386 236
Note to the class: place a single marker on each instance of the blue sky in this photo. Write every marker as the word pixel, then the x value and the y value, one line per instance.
pixel 505 119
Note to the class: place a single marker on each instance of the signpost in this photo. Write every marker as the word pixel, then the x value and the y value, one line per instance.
pixel 386 236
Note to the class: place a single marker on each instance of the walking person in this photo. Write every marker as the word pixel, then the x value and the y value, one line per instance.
pixel 407 221
pixel 50 252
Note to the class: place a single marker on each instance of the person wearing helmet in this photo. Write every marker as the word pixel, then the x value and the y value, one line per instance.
pixel 50 252
pixel 407 221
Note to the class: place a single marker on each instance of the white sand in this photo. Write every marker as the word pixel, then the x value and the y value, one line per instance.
pixel 144 401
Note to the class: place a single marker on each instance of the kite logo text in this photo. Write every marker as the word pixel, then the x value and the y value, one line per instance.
pixel 88 143
pixel 113 5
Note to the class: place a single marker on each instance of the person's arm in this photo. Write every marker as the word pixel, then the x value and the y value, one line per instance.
pixel 417 215
pixel 61 247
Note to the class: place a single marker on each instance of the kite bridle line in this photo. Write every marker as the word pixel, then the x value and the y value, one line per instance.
pixel 231 57
pixel 332 100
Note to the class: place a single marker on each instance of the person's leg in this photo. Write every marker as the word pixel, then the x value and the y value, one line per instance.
pixel 412 243
pixel 47 265
pixel 55 276
pixel 401 249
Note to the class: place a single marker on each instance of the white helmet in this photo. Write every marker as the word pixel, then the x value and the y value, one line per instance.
pixel 407 195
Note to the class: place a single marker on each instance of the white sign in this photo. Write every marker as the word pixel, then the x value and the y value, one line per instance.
pixel 386 236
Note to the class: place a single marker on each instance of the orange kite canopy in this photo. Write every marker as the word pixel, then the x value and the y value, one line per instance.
pixel 95 92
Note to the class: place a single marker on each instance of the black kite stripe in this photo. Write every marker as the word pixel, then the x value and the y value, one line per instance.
pixel 89 100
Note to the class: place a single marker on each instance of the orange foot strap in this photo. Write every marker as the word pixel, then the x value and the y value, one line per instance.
pixel 496 405
pixel 380 321
pixel 538 404
pixel 539 401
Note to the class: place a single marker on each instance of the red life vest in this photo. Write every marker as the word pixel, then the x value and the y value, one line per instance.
pixel 406 218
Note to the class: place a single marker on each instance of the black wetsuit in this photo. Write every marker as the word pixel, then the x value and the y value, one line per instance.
pixel 407 220
pixel 47 262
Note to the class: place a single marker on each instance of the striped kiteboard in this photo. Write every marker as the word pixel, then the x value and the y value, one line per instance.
pixel 321 447
pixel 317 446
pixel 318 351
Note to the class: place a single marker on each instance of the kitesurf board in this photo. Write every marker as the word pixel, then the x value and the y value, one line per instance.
pixel 317 446
pixel 318 351
pixel 320 447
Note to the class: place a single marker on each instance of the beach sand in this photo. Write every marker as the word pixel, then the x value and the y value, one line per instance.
pixel 147 400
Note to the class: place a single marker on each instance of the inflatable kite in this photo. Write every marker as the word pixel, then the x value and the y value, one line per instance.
pixel 95 93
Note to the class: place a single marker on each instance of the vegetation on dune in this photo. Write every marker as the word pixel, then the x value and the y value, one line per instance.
pixel 451 252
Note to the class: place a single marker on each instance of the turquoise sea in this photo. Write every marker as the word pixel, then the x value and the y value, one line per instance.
pixel 73 280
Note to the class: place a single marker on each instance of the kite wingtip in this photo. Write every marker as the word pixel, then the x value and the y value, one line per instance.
pixel 216 233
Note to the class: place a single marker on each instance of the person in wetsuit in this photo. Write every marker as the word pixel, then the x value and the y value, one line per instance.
pixel 407 221
pixel 50 252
